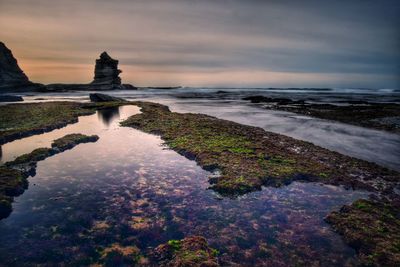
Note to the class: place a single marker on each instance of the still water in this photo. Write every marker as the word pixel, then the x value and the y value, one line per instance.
pixel 129 189
pixel 375 146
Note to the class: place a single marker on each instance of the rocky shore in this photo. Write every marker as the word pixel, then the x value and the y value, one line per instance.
pixel 23 120
pixel 249 157
pixel 243 158
pixel 379 116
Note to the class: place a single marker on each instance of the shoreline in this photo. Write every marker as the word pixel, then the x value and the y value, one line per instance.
pixel 249 157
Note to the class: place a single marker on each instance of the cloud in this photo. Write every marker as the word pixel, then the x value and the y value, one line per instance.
pixel 332 42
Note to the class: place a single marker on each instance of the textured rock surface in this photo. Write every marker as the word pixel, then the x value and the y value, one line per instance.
pixel 106 71
pixel 106 77
pixel 11 75
pixel 103 98
pixel 191 251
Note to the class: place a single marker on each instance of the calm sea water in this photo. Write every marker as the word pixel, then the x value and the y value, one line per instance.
pixel 128 189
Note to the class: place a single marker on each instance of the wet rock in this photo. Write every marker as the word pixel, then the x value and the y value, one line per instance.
pixel 12 183
pixel 11 75
pixel 249 157
pixel 127 86
pixel 372 227
pixel 191 251
pixel 71 140
pixel 96 97
pixel 10 98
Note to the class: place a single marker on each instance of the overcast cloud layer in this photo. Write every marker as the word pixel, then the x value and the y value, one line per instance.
pixel 209 43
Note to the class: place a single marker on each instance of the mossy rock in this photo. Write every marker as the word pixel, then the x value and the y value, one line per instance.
pixel 71 140
pixel 250 157
pixel 12 183
pixel 372 227
pixel 191 251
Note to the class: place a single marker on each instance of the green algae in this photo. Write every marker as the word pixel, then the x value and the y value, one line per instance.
pixel 190 251
pixel 20 120
pixel 71 140
pixel 372 227
pixel 12 183
pixel 249 157
pixel 32 157
pixel 27 119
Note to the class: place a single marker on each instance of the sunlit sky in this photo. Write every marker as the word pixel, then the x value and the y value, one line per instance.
pixel 242 43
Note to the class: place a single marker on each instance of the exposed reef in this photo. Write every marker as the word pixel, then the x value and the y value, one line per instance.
pixel 380 116
pixel 189 252
pixel 372 227
pixel 14 174
pixel 12 78
pixel 249 157
pixel 22 120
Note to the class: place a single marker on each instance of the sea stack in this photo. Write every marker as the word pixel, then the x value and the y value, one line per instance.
pixel 12 78
pixel 106 73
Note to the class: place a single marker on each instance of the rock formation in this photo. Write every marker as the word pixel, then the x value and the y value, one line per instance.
pixel 106 77
pixel 106 71
pixel 96 97
pixel 12 78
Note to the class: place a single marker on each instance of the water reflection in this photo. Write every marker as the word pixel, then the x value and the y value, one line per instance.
pixel 108 115
pixel 89 125
pixel 127 189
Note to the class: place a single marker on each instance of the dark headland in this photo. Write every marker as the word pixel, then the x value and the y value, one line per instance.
pixel 13 79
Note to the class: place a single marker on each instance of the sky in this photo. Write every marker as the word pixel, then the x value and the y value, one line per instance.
pixel 210 43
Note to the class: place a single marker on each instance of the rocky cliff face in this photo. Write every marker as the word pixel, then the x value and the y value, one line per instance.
pixel 11 75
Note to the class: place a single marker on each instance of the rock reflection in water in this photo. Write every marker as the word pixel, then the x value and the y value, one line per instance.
pixel 89 125
pixel 108 115
pixel 126 190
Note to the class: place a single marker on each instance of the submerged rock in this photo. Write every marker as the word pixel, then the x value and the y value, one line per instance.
pixel 11 75
pixel 191 251
pixel 96 97
pixel 10 98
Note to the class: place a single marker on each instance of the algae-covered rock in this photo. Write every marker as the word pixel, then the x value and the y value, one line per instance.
pixel 249 157
pixel 71 140
pixel 372 227
pixel 12 183
pixel 22 120
pixel 118 255
pixel 189 252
